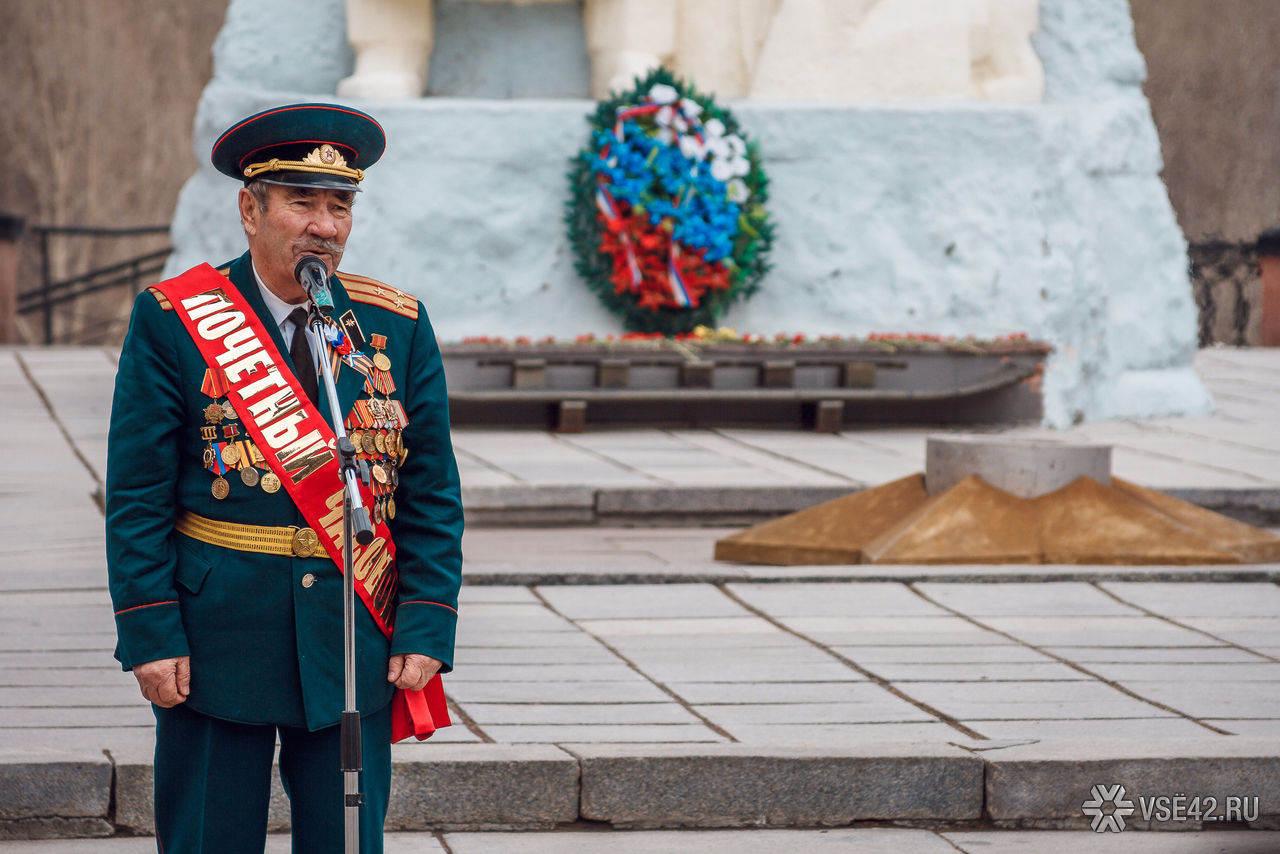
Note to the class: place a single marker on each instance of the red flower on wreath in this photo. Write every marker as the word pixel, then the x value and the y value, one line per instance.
pixel 653 287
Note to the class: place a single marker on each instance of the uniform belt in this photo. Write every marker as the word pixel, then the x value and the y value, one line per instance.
pixel 288 542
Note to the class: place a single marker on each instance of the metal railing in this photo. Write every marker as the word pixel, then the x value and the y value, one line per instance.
pixel 132 272
pixel 1224 279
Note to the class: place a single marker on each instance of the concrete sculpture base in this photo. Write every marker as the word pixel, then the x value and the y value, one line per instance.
pixel 1027 468
pixel 1084 522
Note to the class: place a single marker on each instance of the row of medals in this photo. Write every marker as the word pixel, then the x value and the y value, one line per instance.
pixel 238 454
pixel 374 429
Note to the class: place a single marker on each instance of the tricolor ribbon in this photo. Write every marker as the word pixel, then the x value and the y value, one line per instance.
pixel 625 113
pixel 679 290
pixel 609 208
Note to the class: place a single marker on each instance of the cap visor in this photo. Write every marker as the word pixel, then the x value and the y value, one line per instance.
pixel 313 180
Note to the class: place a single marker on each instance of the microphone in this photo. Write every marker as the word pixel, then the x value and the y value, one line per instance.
pixel 311 273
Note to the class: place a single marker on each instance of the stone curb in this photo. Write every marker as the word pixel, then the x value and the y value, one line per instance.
pixel 538 790
pixel 1251 506
pixel 1046 783
pixel 710 502
pixel 482 787
pixel 481 574
pixel 658 505
pixel 734 785
pixel 524 505
pixel 54 794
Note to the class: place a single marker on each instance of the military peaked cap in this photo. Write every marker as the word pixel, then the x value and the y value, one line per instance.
pixel 326 146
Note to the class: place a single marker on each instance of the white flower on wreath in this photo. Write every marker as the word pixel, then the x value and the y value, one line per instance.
pixel 692 148
pixel 738 191
pixel 727 153
pixel 661 93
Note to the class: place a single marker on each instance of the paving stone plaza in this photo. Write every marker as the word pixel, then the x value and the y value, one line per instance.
pixel 609 671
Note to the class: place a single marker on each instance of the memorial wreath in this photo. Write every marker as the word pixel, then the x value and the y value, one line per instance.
pixel 667 216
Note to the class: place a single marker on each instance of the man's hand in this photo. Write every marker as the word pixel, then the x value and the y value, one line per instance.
pixel 165 681
pixel 411 671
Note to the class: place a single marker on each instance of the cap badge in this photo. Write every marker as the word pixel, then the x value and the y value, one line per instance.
pixel 325 155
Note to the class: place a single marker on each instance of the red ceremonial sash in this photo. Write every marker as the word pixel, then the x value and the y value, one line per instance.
pixel 299 447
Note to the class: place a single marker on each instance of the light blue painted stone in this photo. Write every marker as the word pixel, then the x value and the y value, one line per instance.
pixel 952 218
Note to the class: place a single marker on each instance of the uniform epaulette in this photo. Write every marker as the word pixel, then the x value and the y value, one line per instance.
pixel 160 298
pixel 164 300
pixel 372 292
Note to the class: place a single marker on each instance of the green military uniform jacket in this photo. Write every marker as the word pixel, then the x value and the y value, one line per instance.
pixel 265 648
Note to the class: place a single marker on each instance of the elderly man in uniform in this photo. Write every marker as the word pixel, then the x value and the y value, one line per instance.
pixel 224 507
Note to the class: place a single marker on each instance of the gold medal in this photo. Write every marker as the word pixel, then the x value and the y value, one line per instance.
pixel 380 474
pixel 210 457
pixel 221 488
pixel 404 453
pixel 249 476
pixel 357 439
pixel 391 507
pixel 368 444
pixel 228 411
pixel 213 413
pixel 380 441
pixel 376 513
pixel 380 360
pixel 393 439
pixel 231 455
pixel 270 483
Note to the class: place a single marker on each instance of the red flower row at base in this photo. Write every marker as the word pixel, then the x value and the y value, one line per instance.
pixel 731 337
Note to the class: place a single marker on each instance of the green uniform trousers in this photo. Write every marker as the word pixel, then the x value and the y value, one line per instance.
pixel 213 783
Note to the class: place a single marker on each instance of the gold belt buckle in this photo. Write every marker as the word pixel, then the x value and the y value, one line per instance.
pixel 305 542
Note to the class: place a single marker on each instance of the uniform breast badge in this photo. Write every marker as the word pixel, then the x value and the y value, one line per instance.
pixel 351 327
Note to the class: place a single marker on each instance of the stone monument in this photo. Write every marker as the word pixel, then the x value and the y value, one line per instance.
pixel 782 49
pixel 1010 186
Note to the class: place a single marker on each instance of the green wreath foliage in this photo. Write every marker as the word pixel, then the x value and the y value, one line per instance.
pixel 625 252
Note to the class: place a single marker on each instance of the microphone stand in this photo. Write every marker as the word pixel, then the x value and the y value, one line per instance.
pixel 355 522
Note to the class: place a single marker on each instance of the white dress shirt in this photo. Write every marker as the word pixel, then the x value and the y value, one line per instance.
pixel 280 310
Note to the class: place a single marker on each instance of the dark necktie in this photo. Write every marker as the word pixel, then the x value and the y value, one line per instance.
pixel 300 353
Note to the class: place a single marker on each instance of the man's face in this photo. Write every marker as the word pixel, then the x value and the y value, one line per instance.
pixel 298 221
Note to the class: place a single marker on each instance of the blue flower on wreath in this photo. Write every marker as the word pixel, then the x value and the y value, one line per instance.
pixel 661 179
